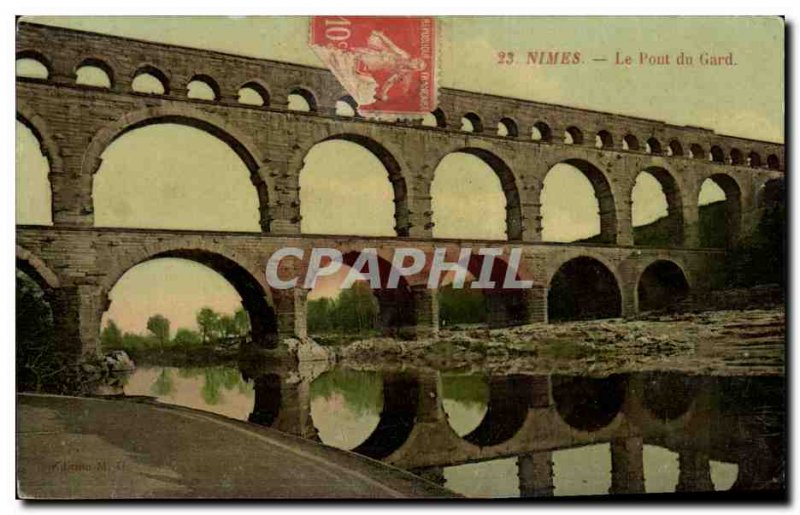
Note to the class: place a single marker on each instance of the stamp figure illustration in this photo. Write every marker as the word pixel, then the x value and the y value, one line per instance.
pixel 386 64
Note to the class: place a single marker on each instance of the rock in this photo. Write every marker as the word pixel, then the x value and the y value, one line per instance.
pixel 119 361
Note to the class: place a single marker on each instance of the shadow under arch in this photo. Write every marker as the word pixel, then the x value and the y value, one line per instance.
pixel 397 419
pixel 669 229
pixel 605 198
pixel 720 222
pixel 255 299
pixel 587 403
pixel 583 288
pixel 393 170
pixel 662 285
pixel 508 183
pixel 187 117
pixel 509 402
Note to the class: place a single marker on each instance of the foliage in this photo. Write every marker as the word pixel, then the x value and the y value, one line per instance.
pixel 354 310
pixel 361 390
pixel 158 325
pixel 758 257
pixel 461 306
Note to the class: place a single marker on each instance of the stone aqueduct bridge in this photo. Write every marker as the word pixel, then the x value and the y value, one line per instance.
pixel 77 264
pixel 528 417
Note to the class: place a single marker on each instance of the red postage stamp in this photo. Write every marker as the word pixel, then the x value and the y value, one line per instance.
pixel 387 64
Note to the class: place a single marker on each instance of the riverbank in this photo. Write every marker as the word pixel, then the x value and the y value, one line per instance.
pixel 720 342
pixel 88 448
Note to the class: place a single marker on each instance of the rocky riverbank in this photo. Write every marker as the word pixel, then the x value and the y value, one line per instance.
pixel 721 342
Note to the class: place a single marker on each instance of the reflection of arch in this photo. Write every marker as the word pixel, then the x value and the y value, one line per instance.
pixel 393 169
pixel 604 195
pixel 99 64
pixel 672 225
pixel 669 395
pixel 148 69
pixel 661 285
pixel 583 288
pixel 507 409
pixel 587 403
pixel 267 402
pixel 507 183
pixel 39 57
pixel 400 402
pixel 255 295
pixel 719 226
pixel 189 117
pixel 37 270
pixel 543 130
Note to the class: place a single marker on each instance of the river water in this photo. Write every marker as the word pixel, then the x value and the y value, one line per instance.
pixel 511 436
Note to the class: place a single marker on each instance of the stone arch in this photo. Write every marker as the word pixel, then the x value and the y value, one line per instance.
pixel 39 57
pixel 711 234
pixel 661 285
pixel 395 170
pixel 435 118
pixel 397 419
pixel 770 193
pixel 508 184
pixel 190 117
pixel 737 158
pixel 716 154
pixel 153 71
pixel 94 62
pixel 675 148
pixel 672 224
pixel 259 88
pixel 474 121
pixel 602 191
pixel 696 151
pixel 257 298
pixel 773 162
pixel 653 146
pixel 208 81
pixel 37 270
pixel 541 132
pixel 38 126
pixel 603 139
pixel 508 126
pixel 584 288
pixel 350 103
pixel 588 404
pixel 573 136
pixel 307 95
pixel 630 142
pixel 507 410
pixel 754 159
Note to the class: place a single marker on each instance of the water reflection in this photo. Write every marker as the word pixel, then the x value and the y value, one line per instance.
pixel 514 435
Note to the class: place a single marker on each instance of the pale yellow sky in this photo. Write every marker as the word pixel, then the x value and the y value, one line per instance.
pixel 171 176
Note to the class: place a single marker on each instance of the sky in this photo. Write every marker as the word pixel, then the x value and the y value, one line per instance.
pixel 144 176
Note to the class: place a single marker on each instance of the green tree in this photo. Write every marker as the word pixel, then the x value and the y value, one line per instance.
pixel 227 326
pixel 111 336
pixel 158 325
pixel 242 322
pixel 208 322
pixel 187 338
